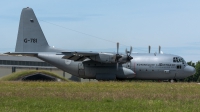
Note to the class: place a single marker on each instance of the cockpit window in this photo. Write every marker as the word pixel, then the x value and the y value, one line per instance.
pixel 184 62
pixel 179 59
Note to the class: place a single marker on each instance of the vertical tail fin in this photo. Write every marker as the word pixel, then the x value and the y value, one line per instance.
pixel 30 36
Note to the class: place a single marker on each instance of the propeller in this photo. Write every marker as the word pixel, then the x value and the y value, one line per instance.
pixel 118 56
pixel 128 53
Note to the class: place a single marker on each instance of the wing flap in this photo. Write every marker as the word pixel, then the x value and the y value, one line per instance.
pixel 81 53
pixel 74 57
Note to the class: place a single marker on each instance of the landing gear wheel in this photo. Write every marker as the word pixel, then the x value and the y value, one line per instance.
pixel 172 81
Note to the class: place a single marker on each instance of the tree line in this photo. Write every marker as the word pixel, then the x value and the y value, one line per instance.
pixel 196 76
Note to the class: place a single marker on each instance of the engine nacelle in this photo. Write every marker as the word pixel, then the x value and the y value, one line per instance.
pixel 104 58
pixel 125 73
pixel 123 59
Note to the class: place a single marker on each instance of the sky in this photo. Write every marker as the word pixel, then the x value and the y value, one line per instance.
pixel 97 25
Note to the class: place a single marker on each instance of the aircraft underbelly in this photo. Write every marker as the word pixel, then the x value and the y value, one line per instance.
pixel 155 75
pixel 110 73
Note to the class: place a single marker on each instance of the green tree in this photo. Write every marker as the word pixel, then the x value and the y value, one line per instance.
pixel 191 78
pixel 196 76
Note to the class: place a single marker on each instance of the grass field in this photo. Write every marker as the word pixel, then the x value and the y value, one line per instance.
pixel 19 96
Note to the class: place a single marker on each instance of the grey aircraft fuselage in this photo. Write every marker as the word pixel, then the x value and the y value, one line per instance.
pixel 97 65
pixel 144 66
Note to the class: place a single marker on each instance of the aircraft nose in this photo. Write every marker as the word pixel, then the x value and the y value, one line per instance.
pixel 189 69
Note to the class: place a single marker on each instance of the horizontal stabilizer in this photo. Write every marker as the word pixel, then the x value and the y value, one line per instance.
pixel 22 53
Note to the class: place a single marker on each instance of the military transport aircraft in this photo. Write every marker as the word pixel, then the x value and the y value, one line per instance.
pixel 97 65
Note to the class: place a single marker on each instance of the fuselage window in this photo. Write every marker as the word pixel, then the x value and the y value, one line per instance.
pixel 178 66
pixel 179 59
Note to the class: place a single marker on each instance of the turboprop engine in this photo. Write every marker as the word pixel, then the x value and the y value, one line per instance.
pixel 113 58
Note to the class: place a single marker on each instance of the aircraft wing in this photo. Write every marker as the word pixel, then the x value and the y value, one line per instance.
pixel 77 56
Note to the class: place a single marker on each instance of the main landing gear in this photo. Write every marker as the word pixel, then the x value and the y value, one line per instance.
pixel 172 80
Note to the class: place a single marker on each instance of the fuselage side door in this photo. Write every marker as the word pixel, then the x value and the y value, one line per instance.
pixel 81 70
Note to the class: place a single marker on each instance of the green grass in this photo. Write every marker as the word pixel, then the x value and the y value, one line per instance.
pixel 18 75
pixel 99 96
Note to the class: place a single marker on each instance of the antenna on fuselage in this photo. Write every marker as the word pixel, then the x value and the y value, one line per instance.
pixel 159 49
pixel 149 48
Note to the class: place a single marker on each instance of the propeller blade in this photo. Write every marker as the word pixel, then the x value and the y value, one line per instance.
pixel 117 65
pixel 130 50
pixel 128 53
pixel 118 56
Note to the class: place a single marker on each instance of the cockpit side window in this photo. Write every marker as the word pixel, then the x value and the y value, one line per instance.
pixel 178 59
pixel 174 59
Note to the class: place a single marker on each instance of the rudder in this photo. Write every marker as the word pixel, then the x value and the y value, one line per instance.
pixel 30 36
